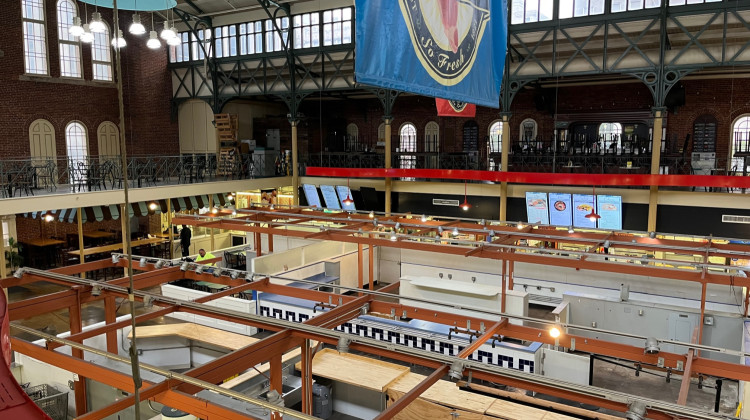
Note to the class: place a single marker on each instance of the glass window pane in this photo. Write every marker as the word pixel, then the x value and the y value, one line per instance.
pixel 596 7
pixel 546 10
pixel 517 12
pixel 566 9
pixel 581 8
pixel 531 11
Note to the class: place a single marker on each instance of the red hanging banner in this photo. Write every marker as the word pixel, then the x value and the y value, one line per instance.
pixel 446 108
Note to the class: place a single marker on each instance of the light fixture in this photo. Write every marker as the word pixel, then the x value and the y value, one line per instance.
pixel 234 212
pixel 348 200
pixel 651 346
pixel 424 218
pixel 455 231
pixel 482 222
pixel 456 371
pixel 273 397
pixel 214 210
pixel 96 290
pixel 636 411
pixel 77 28
pixel 249 277
pixel 148 302
pixel 372 214
pixel 118 41
pixel 234 274
pixel 115 258
pixel 19 273
pixel 199 269
pixel 398 226
pixel 217 272
pixel 652 235
pixel 174 41
pixel 230 196
pixel 272 207
pixel 49 217
pixel 137 28
pixel 393 237
pixel 554 332
pixel 465 206
pixel 159 264
pixel 152 206
pixel 593 217
pixel 87 37
pixel 570 229
pixel 97 25
pixel 184 266
pixel 520 225
pixel 167 32
pixel 343 345
pixel 143 262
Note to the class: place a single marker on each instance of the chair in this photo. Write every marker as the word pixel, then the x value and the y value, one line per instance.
pixel 23 181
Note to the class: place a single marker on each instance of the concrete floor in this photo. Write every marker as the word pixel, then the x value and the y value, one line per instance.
pixel 607 375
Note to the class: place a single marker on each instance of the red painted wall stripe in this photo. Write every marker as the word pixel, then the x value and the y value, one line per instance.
pixel 716 181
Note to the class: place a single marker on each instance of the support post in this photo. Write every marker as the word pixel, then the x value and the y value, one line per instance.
pixel 505 136
pixel 211 209
pixel 703 312
pixel 653 197
pixel 276 378
pixel 3 271
pixel 371 266
pixel 258 245
pixel 169 230
pixel 270 243
pixel 110 317
pixel 503 283
pixel 510 274
pixel 76 325
pixel 306 361
pixel 388 165
pixel 79 218
pixel 295 164
pixel 124 213
pixel 360 268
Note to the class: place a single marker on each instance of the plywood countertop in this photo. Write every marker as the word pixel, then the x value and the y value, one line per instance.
pixel 356 370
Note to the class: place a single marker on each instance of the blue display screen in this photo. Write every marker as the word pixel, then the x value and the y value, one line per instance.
pixel 583 204
pixel 609 208
pixel 560 209
pixel 344 192
pixel 537 208
pixel 329 196
pixel 311 194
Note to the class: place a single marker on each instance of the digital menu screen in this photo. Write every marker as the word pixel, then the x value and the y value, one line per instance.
pixel 311 194
pixel 583 204
pixel 344 192
pixel 609 207
pixel 537 208
pixel 560 209
pixel 329 195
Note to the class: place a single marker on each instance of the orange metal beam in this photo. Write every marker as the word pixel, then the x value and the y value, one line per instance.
pixel 199 407
pixel 149 392
pixel 413 394
pixel 687 373
pixel 476 344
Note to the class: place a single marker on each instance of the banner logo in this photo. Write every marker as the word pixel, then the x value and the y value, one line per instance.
pixel 457 106
pixel 446 35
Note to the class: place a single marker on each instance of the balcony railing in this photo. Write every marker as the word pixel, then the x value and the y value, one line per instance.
pixel 41 175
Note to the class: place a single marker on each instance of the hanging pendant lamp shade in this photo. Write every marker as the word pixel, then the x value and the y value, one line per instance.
pixel 465 206
pixel 174 41
pixel 167 32
pixel 153 41
pixel 77 29
pixel 87 37
pixel 118 41
pixel 137 28
pixel 97 25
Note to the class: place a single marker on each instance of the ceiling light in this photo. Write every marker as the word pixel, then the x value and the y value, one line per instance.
pixel 184 266
pixel 49 217
pixel 137 28
pixel 520 225
pixel 456 371
pixel 651 346
pixel 96 290
pixel 119 41
pixel 148 302
pixel 593 217
pixel 87 37
pixel 455 231
pixel 152 206
pixel 159 264
pixel 77 29
pixel 343 345
pixel 393 237
pixel 97 25
pixel 167 32
pixel 372 214
pixel 214 210
pixel 636 411
pixel 234 274
pixel 230 196
pixel 174 41
pixel 554 332
pixel 249 277
pixel 143 262
pixel 199 269
pixel 465 206
pixel 348 200
pixel 424 218
pixel 115 258
pixel 570 229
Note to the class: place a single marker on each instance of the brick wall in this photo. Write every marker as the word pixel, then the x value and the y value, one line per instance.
pixel 146 83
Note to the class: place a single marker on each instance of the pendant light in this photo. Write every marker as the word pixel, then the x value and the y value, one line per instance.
pixel 174 41
pixel 465 206
pixel 118 41
pixel 77 29
pixel 348 200
pixel 593 217
pixel 87 37
pixel 167 33
pixel 153 38
pixel 137 28
pixel 97 25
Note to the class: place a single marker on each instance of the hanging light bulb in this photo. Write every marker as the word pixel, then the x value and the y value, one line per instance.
pixel 137 28
pixel 465 206
pixel 86 37
pixel 97 25
pixel 174 41
pixel 348 200
pixel 118 41
pixel 77 29
pixel 455 231
pixel 153 41
pixel 167 32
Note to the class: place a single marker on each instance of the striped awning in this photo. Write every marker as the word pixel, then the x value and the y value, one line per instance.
pixel 112 212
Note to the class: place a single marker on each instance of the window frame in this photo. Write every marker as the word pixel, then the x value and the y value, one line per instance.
pixel 43 22
pixel 62 28
pixel 106 47
pixel 407 161
pixel 521 131
pixel 313 26
pixel 739 162
pixel 332 24
pixel 85 156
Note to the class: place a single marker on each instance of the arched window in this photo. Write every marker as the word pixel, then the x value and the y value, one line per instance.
pixel 42 141
pixel 101 56
pixel 407 143
pixel 432 143
pixel 611 135
pixel 70 46
pixel 495 144
pixel 76 143
pixel 34 37
pixel 352 137
pixel 108 137
pixel 740 141
pixel 527 133
pixel 471 136
pixel 381 132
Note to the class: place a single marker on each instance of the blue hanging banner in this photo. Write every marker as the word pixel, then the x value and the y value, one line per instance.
pixel 449 49
pixel 140 5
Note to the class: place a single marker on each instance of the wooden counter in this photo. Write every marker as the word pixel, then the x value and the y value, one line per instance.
pixel 43 242
pixel 196 332
pixel 116 247
pixel 356 370
pixel 444 392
